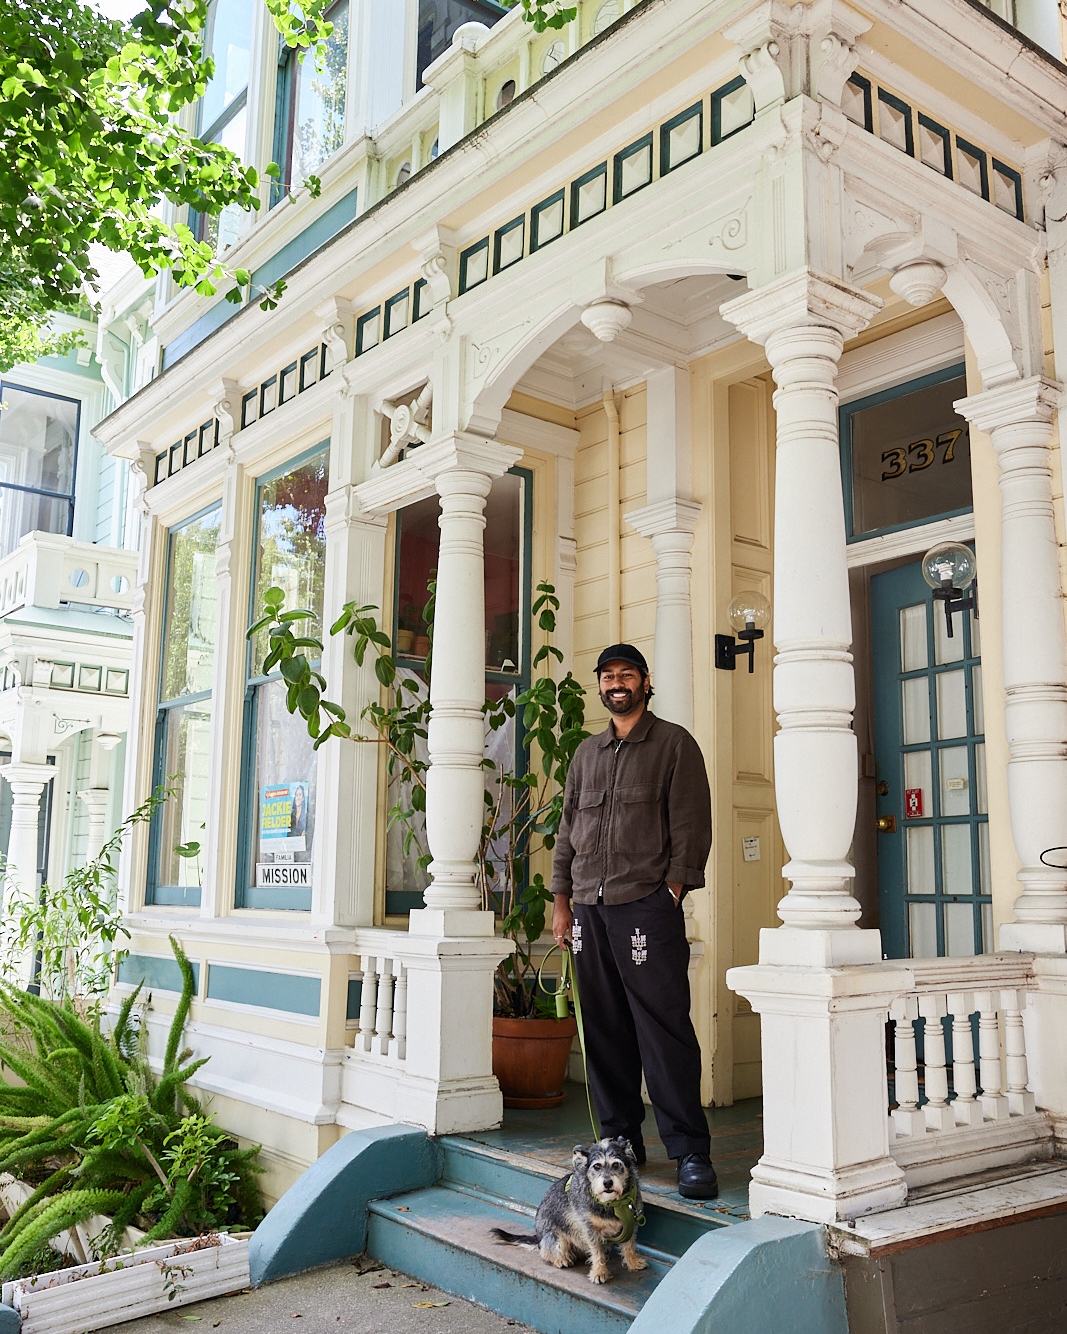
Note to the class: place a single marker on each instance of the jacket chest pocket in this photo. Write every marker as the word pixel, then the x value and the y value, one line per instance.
pixel 585 820
pixel 639 821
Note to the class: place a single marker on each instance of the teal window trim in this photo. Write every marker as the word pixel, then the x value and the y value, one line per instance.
pixel 314 357
pixel 399 903
pixel 266 396
pixel 591 175
pixel 1002 169
pixel 898 104
pixel 362 324
pixel 421 300
pixel 943 134
pixel 157 895
pixel 536 214
pixel 246 895
pixel 287 383
pixel 665 163
pixel 464 264
pixel 717 97
pixel 844 426
pixel 864 85
pixel 982 158
pixel 501 232
pixel 250 401
pixel 644 144
pixel 388 331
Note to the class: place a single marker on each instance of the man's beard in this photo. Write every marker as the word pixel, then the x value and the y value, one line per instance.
pixel 625 704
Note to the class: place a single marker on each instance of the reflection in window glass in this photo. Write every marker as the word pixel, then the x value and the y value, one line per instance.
pixel 281 803
pixel 184 722
pixel 316 102
pixel 229 38
pixel 910 457
pixel 38 435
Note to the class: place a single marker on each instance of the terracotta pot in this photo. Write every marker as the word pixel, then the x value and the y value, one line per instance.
pixel 530 1060
pixel 420 645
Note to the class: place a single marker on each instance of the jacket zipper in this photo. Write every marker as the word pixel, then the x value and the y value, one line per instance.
pixel 608 812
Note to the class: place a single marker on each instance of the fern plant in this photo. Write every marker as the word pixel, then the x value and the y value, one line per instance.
pixel 105 1134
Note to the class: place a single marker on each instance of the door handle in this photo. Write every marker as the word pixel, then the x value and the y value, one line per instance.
pixel 886 824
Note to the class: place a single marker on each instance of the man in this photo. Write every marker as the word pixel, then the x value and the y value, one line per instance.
pixel 635 835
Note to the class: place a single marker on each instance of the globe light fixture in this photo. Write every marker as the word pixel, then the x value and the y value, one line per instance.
pixel 950 569
pixel 749 614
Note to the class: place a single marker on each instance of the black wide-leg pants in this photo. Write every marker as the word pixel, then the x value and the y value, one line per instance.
pixel 632 962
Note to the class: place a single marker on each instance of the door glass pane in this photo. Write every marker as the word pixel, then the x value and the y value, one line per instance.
pixel 987 928
pixel 192 597
pixel 978 701
pixel 983 858
pixel 186 759
pixel 976 634
pixel 922 928
pixel 921 860
pixel 913 653
pixel 956 859
pixel 980 806
pixel 955 783
pixel 945 649
pixel 916 694
pixel 285 783
pixel 917 775
pixel 951 705
pixel 959 929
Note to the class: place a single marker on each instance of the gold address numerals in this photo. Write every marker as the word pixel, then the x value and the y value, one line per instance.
pixel 919 455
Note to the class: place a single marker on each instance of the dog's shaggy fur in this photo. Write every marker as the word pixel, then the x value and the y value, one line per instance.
pixel 576 1221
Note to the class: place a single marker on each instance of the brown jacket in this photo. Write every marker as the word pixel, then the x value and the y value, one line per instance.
pixel 636 812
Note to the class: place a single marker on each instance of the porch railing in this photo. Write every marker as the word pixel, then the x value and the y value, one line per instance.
pixel 50 570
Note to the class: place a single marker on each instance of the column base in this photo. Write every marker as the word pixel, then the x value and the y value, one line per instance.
pixel 825 1197
pixel 798 947
pixel 451 922
pixel 1034 937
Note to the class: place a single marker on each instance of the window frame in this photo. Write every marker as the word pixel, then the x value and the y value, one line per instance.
pixel 68 496
pixel 285 110
pixel 210 134
pixel 272 899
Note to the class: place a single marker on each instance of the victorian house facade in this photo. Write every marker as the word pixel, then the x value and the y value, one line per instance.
pixel 687 299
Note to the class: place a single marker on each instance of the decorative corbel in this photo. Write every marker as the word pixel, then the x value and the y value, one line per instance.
pixel 409 423
pixel 338 332
pixel 766 37
pixel 832 30
pixel 143 469
pixel 226 394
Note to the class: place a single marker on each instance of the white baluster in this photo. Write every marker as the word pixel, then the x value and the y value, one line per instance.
pixel 383 1020
pixel 400 1014
pixel 906 1117
pixel 994 1103
pixel 368 1003
pixel 1020 1099
pixel 965 1107
pixel 938 1113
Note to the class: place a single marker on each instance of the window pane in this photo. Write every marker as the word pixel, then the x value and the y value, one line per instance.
pixel 230 38
pixel 913 651
pixel 910 458
pixel 922 928
pixel 189 634
pixel 955 781
pixel 956 876
pixel 285 794
pixel 319 102
pixel 222 230
pixel 916 710
pixel 917 775
pixel 23 512
pixel 945 649
pixel 951 706
pixel 921 860
pixel 291 542
pixel 186 757
pixel 959 930
pixel 37 437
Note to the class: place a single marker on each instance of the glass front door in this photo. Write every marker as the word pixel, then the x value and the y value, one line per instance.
pixel 933 840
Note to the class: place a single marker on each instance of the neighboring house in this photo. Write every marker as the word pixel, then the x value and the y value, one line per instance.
pixel 66 590
pixel 551 279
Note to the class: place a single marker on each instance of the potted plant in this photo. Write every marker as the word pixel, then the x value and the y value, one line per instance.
pixel 407 623
pixel 524 806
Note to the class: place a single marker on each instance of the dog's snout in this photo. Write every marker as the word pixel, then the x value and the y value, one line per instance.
pixel 608 1183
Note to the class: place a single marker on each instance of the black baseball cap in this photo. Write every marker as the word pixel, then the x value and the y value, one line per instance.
pixel 622 653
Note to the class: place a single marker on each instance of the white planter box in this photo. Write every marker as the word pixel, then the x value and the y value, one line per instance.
pixel 74 1301
pixel 77 1244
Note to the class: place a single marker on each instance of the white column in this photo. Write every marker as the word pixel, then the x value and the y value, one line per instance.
pixel 463 473
pixel 670 525
pixel 27 782
pixel 96 800
pixel 1018 417
pixel 803 322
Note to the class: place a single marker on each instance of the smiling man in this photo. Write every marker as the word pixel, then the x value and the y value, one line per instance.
pixel 634 839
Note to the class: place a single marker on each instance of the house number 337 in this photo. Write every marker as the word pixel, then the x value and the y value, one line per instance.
pixel 919 455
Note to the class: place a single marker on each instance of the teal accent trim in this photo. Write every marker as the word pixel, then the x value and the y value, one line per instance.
pixel 268 991
pixel 501 232
pixel 465 285
pixel 717 136
pixel 642 145
pixel 1011 175
pixel 10 1320
pixel 769 1273
pixel 577 217
pixel 390 306
pixel 155 973
pixel 666 164
pixel 362 325
pixel 200 329
pixel 864 85
pixel 946 142
pixel 965 146
pixel 537 240
pixel 322 1217
pixel 905 110
pixel 315 234
pixel 421 300
pixel 355 992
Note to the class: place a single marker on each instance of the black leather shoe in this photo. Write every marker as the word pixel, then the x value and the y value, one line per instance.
pixel 638 1147
pixel 696 1177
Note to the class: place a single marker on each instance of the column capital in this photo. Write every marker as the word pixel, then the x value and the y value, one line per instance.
pixel 26 773
pixel 416 477
pixel 666 516
pixel 1032 400
pixel 805 299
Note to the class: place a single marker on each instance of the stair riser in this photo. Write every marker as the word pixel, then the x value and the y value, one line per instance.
pixel 504 1290
pixel 664 1230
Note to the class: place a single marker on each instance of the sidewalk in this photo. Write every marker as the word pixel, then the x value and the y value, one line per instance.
pixel 356 1296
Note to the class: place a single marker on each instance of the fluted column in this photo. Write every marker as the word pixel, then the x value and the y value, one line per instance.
pixel 1018 417
pixel 803 321
pixel 670 525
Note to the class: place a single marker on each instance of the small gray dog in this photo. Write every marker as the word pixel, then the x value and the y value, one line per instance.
pixel 596 1204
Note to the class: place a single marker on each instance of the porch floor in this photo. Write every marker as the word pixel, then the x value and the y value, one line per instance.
pixel 550 1136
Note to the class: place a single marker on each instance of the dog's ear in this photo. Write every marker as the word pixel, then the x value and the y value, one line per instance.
pixel 627 1148
pixel 580 1156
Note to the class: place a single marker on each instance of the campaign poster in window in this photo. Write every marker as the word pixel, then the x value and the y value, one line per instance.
pixel 283 815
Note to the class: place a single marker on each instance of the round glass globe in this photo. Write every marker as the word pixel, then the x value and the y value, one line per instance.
pixel 949 565
pixel 749 609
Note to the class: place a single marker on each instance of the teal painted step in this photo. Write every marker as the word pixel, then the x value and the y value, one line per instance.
pixel 442 1237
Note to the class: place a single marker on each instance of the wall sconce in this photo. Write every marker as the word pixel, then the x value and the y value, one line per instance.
pixel 748 614
pixel 950 569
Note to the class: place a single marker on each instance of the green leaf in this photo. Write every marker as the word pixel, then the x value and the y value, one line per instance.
pixel 274 597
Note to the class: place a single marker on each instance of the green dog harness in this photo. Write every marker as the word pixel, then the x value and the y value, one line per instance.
pixel 623 1209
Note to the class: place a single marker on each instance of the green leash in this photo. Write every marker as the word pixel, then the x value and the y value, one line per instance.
pixel 623 1208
